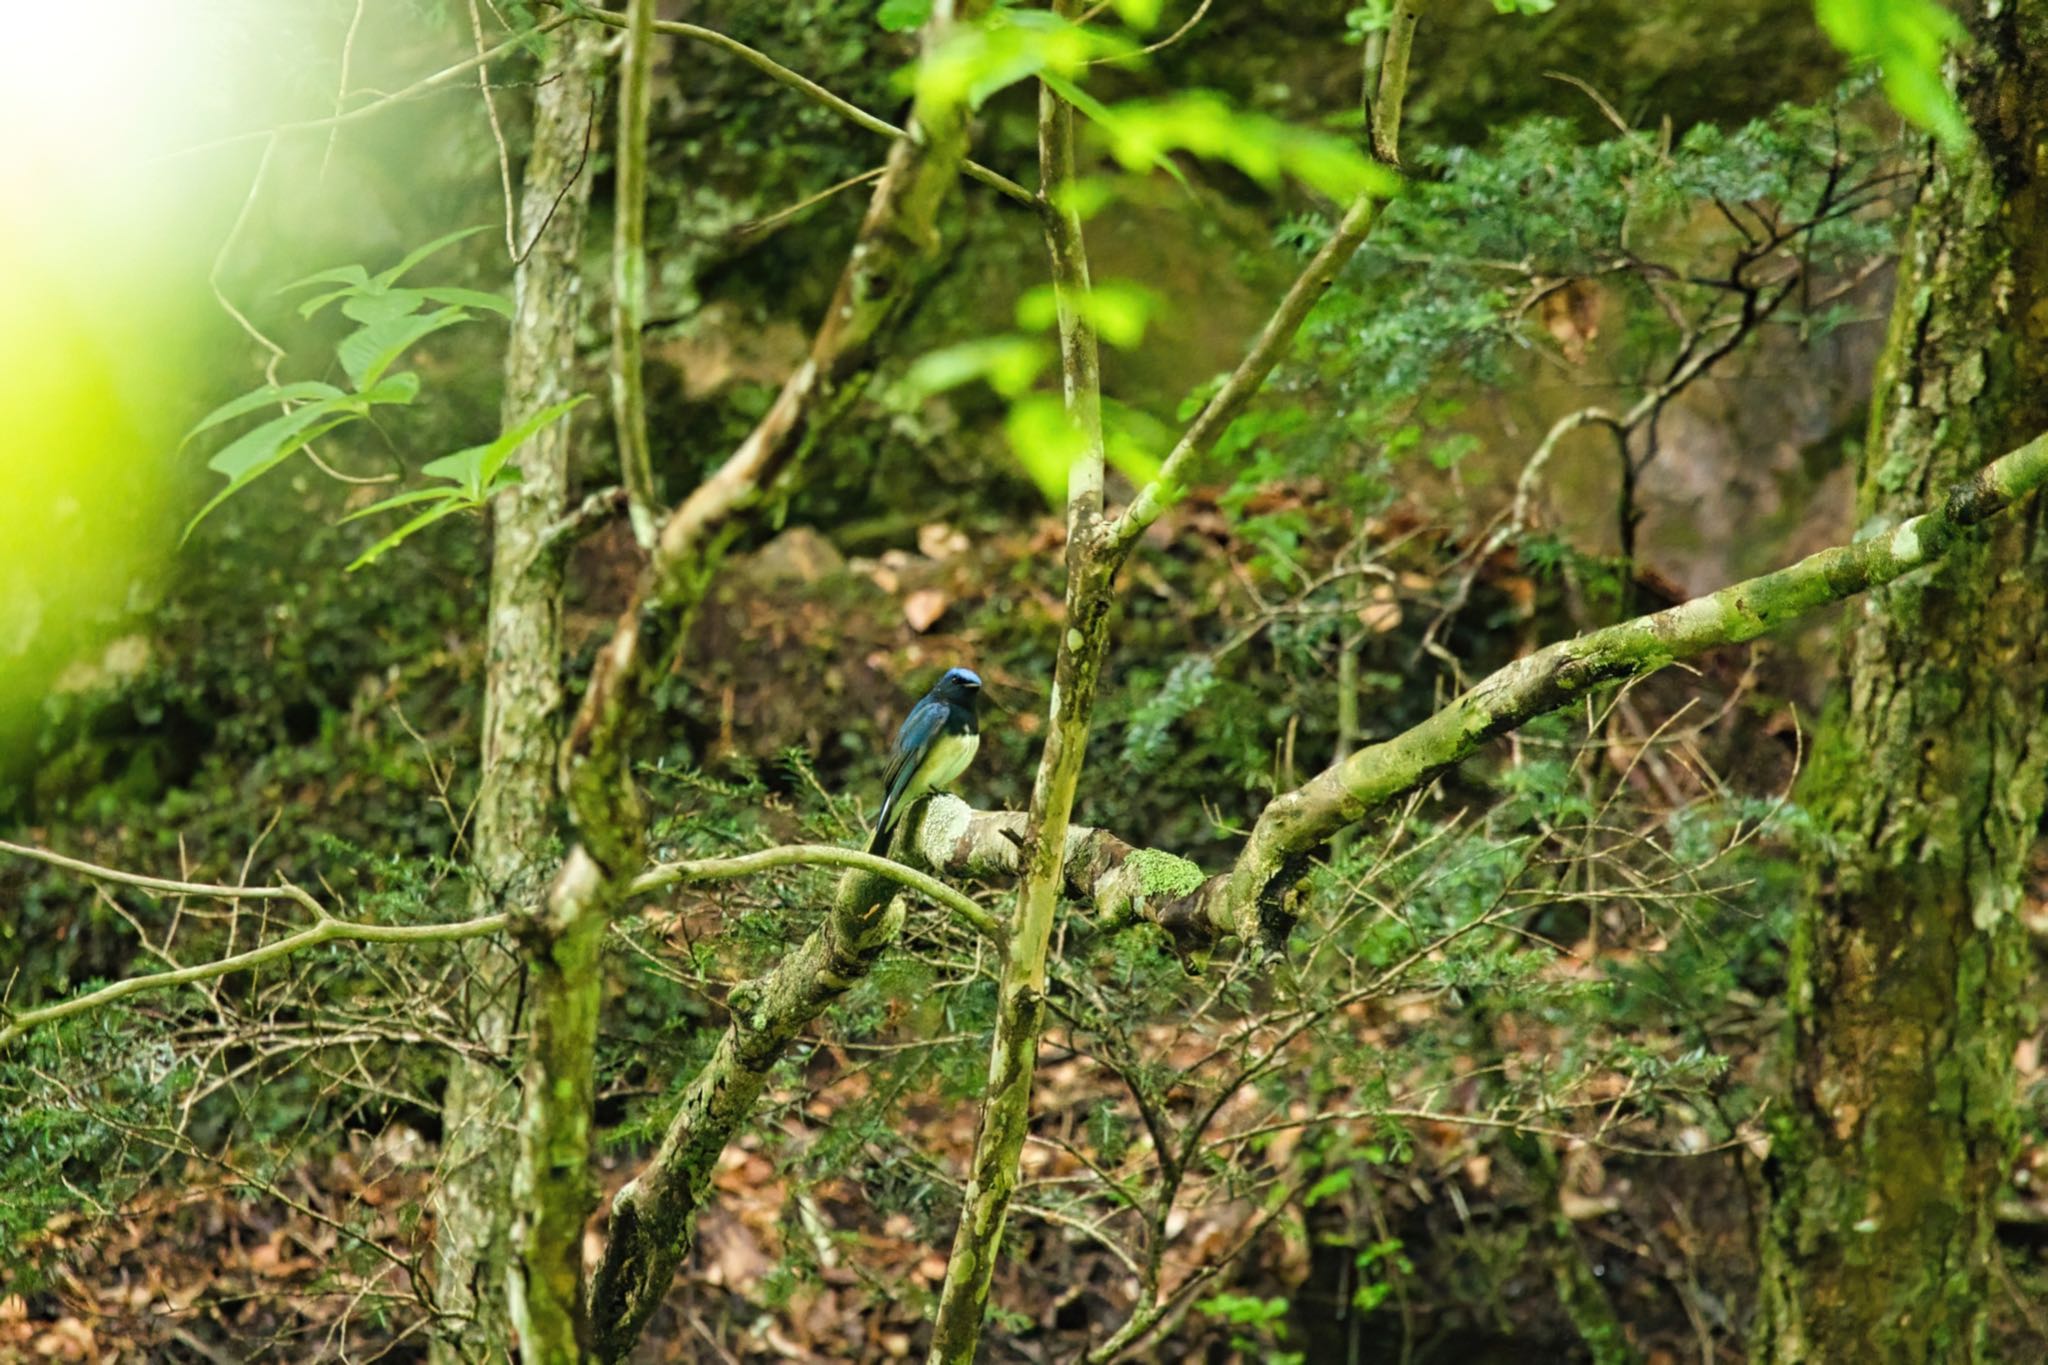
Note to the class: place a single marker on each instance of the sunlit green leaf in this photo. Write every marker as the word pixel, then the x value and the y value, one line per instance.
pixel 352 275
pixel 261 443
pixel 1142 132
pixel 320 301
pixel 898 15
pixel 475 468
pixel 263 462
pixel 399 388
pixel 369 351
pixel 976 60
pixel 261 398
pixel 397 500
pixel 468 298
pixel 1084 196
pixel 1105 117
pixel 1045 441
pixel 418 254
pixel 382 305
pixel 1907 39
pixel 1009 364
pixel 1117 309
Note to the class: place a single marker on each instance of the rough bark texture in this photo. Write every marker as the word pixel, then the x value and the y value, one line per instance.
pixel 1020 1000
pixel 1928 786
pixel 514 837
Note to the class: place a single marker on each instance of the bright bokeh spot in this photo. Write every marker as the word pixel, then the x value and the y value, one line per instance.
pixel 101 310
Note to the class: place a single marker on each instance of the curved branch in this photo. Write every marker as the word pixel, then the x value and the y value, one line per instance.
pixel 1293 826
pixel 211 890
pixel 312 936
pixel 822 855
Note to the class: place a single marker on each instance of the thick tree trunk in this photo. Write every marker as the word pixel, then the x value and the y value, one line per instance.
pixel 515 842
pixel 1927 786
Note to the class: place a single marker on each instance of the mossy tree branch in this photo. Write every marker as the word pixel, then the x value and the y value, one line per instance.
pixel 1296 824
pixel 1077 672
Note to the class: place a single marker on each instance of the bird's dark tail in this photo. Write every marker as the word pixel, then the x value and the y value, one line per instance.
pixel 885 825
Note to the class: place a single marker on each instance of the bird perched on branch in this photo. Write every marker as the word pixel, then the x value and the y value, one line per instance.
pixel 933 746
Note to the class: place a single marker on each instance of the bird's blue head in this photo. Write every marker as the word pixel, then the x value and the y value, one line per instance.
pixel 960 687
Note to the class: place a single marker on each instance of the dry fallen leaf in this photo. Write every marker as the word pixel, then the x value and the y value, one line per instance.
pixel 1383 612
pixel 936 540
pixel 1572 315
pixel 924 607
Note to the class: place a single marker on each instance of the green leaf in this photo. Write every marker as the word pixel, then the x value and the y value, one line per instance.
pixel 369 351
pixel 476 468
pixel 1142 132
pixel 1907 40
pixel 352 275
pixel 319 301
pixel 1117 309
pixel 1333 1183
pixel 898 15
pixel 261 398
pixel 451 504
pixel 399 388
pixel 261 465
pixel 1010 365
pixel 382 305
pixel 413 258
pixel 976 60
pixel 405 499
pixel 469 298
pixel 260 444
pixel 1045 441
pixel 1104 117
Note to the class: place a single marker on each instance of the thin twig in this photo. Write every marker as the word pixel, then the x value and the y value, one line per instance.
pixel 629 274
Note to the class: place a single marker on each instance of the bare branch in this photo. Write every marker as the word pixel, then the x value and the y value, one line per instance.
pixel 324 931
pixel 629 272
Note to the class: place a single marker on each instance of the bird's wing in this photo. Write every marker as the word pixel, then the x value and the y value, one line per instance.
pixel 920 729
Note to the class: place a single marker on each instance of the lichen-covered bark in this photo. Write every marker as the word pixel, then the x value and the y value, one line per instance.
pixel 653 1214
pixel 512 842
pixel 1020 998
pixel 1249 898
pixel 1927 785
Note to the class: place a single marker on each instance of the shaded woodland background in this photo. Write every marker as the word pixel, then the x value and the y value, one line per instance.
pixel 207 1196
